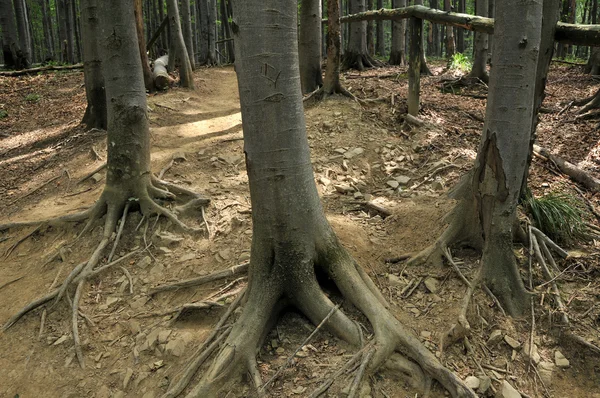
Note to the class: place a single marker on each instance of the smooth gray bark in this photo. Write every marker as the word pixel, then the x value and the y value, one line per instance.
pixel 14 57
pixel 23 28
pixel 179 51
pixel 95 114
pixel 186 26
pixel 203 31
pixel 380 32
pixel 309 45
pixel 212 32
pixel 397 50
pixel 356 55
pixel 480 48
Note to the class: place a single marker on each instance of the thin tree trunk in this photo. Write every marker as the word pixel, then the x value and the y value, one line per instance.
pixel 309 45
pixel 450 47
pixel 164 42
pixel 397 50
pixel 141 39
pixel 228 34
pixel 211 12
pixel 370 32
pixel 77 32
pixel 187 30
pixel 23 28
pixel 356 55
pixel 380 33
pixel 185 68
pixel 460 32
pixel 95 114
pixel 14 57
pixel 195 29
pixel 479 69
pixel 331 82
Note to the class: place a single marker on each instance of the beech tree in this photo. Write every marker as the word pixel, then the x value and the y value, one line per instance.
pixel 130 184
pixel 292 240
pixel 480 48
pixel 177 49
pixel 186 23
pixel 485 217
pixel 14 56
pixel 309 45
pixel 356 55
pixel 397 50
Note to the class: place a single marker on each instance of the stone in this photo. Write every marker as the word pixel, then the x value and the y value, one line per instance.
pixel 149 394
pixel 245 256
pixel 175 347
pixel 119 394
pixel 546 371
pixel 344 188
pixel 432 285
pixel 403 180
pixel 169 238
pixel 341 151
pixel 158 269
pixel 507 391
pixel 395 281
pixel 494 338
pixel 514 344
pixel 144 262
pixel 61 339
pixel 225 254
pixel 358 195
pixel 97 178
pixel 353 152
pixel 103 392
pixel 393 184
pixel 127 378
pixel 186 257
pixel 484 384
pixel 560 360
pixel 163 336
pixel 152 338
pixel 111 300
pixel 344 165
pixel 164 250
pixel 365 391
pixel 325 181
pixel 425 334
pixel 473 382
pixel 531 354
pixel 437 185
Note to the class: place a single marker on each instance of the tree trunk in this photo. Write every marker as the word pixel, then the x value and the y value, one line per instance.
pixel 212 32
pixel 95 114
pixel 179 51
pixel 204 36
pixel 292 240
pixel 356 55
pixel 397 51
pixel 76 32
pixel 460 32
pixel 479 69
pixel 139 28
pixel 23 28
pixel 424 68
pixel 380 33
pixel 370 32
pixel 14 57
pixel 331 82
pixel 225 14
pixel 164 42
pixel 309 45
pixel 195 30
pixel 187 30
pixel 450 48
pixel 414 70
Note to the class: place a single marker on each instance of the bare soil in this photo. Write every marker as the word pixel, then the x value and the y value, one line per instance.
pixel 133 345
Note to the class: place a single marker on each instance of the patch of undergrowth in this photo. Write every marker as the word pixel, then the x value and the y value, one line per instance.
pixel 3 113
pixel 461 62
pixel 33 97
pixel 561 216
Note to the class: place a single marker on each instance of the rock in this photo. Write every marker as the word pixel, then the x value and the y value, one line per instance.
pixel 358 195
pixel 393 183
pixel 103 392
pixel 111 300
pixel 149 394
pixel 134 326
pixel 344 165
pixel 96 178
pixel 175 347
pixel 432 285
pixel 546 371
pixel 61 339
pixel 494 338
pixel 158 269
pixel 437 185
pixel 532 354
pixel 245 256
pixel 152 338
pixel 169 238
pixel 341 151
pixel 484 384
pixel 186 257
pixel 127 378
pixel 325 181
pixel 365 391
pixel 165 250
pixel 425 334
pixel 403 180
pixel 144 262
pixel 507 391
pixel 163 336
pixel 119 394
pixel 353 152
pixel 179 157
pixel 395 281
pixel 225 254
pixel 473 382
pixel 344 188
pixel 515 345
pixel 560 360
pixel 301 354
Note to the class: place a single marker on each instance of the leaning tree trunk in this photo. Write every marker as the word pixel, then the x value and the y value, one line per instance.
pixel 292 240
pixel 309 45
pixel 14 57
pixel 187 30
pixel 356 55
pixel 23 28
pixel 479 70
pixel 139 28
pixel 397 51
pixel 180 52
pixel 95 113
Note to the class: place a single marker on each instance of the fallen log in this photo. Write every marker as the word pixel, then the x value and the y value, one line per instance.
pixel 162 80
pixel 576 174
pixel 31 71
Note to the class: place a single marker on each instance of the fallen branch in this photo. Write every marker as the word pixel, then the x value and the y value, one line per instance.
pixel 570 169
pixel 233 271
pixel 40 69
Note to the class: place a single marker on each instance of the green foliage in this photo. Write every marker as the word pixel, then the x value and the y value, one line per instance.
pixel 33 97
pixel 560 216
pixel 461 62
pixel 3 113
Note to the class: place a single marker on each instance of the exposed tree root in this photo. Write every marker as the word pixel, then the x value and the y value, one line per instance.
pixel 592 102
pixel 233 271
pixel 352 60
pixel 322 93
pixel 266 292
pixel 449 86
pixel 115 206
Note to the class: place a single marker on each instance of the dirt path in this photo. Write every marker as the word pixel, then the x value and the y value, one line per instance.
pixel 131 345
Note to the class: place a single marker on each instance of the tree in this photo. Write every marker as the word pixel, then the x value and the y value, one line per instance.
pixel 292 240
pixel 479 69
pixel 485 216
pixel 424 68
pixel 356 55
pixel 95 113
pixel 380 29
pixel 309 45
pixel 14 56
pixel 139 28
pixel 23 28
pixel 129 181
pixel 187 30
pixel 397 51
pixel 450 46
pixel 177 48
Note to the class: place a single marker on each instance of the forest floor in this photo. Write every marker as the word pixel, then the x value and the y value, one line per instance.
pixel 134 346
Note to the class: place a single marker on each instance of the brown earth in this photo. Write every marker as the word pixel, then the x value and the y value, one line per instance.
pixel 132 345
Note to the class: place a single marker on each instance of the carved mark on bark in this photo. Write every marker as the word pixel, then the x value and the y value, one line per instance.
pixel 490 182
pixel 270 73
